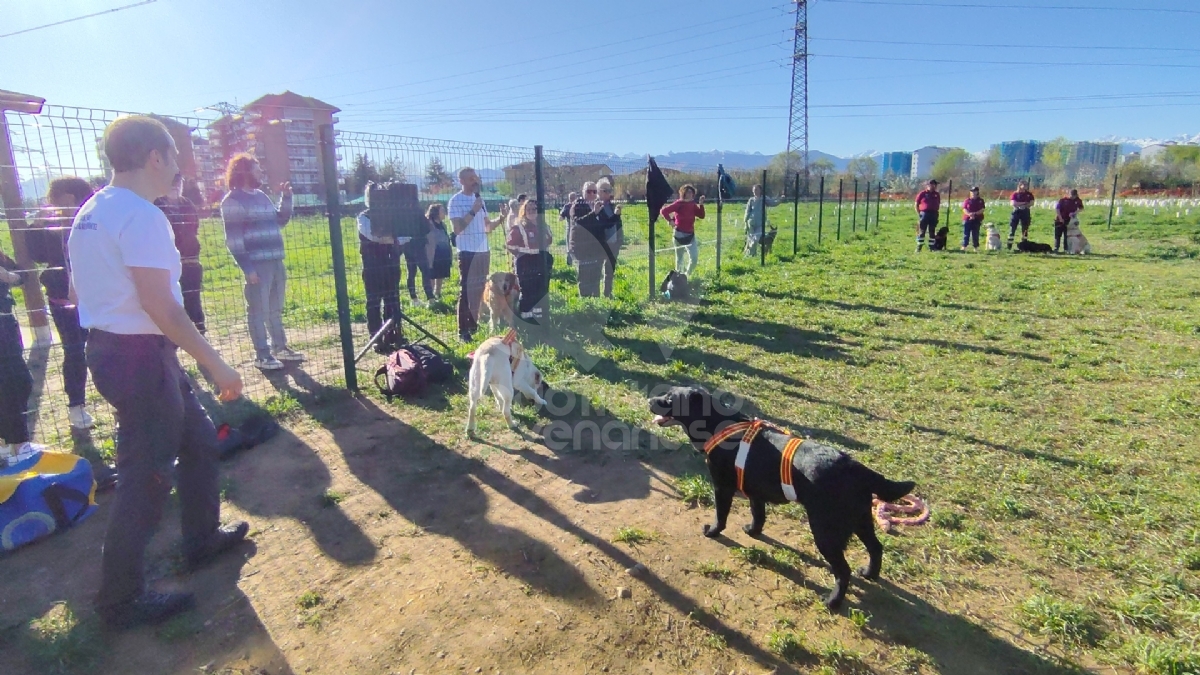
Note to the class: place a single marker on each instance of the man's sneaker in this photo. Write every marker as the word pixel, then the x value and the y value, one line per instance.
pixel 79 418
pixel 287 354
pixel 465 337
pixel 147 608
pixel 222 540
pixel 104 475
pixel 268 363
pixel 19 452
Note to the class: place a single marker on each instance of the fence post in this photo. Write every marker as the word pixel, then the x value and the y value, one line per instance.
pixel 796 217
pixel 878 199
pixel 949 196
pixel 329 160
pixel 820 209
pixel 839 224
pixel 1112 201
pixel 720 208
pixel 10 192
pixel 762 220
pixel 867 208
pixel 854 209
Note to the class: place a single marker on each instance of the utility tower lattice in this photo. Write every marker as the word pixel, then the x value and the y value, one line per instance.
pixel 798 111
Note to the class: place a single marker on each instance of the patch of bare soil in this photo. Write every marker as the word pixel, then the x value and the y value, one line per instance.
pixel 377 548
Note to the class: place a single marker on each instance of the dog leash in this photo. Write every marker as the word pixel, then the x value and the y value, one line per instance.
pixel 909 510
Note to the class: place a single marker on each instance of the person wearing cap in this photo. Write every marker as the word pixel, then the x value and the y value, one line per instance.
pixel 1022 203
pixel 928 203
pixel 1064 210
pixel 973 209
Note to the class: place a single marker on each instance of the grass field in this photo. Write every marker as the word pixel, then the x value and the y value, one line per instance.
pixel 1046 406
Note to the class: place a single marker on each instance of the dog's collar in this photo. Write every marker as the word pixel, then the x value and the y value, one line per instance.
pixel 729 431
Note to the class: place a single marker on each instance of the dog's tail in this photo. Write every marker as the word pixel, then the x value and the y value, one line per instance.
pixel 890 490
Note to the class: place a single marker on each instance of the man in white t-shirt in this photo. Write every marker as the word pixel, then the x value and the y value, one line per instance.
pixel 468 213
pixel 125 272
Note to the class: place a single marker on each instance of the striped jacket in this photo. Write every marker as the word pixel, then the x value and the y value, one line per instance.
pixel 253 226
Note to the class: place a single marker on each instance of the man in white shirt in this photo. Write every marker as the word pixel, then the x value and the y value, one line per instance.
pixel 468 213
pixel 125 272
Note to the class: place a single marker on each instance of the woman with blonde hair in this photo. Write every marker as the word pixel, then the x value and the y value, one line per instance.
pixel 527 241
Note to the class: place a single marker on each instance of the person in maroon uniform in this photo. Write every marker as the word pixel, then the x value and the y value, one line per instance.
pixel 185 223
pixel 1022 205
pixel 1063 211
pixel 973 209
pixel 928 203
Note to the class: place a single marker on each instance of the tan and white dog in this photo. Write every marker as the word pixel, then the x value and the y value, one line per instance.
pixel 503 365
pixel 1076 242
pixel 500 297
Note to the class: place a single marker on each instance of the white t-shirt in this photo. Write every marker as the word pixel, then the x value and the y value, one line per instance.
pixel 115 230
pixel 474 238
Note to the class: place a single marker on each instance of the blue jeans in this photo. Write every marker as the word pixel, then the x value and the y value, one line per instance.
pixel 971 231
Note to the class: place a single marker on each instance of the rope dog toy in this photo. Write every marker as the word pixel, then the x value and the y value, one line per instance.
pixel 905 511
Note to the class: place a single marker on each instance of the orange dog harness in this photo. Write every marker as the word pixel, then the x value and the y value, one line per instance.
pixel 749 431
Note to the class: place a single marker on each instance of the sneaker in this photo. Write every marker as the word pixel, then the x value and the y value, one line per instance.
pixel 104 475
pixel 465 337
pixel 268 363
pixel 19 452
pixel 79 418
pixel 287 354
pixel 147 608
pixel 431 304
pixel 222 540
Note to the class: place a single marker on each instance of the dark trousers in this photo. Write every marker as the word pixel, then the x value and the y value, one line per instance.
pixel 73 338
pixel 533 277
pixel 416 258
pixel 191 281
pixel 473 271
pixel 928 222
pixel 1020 217
pixel 159 420
pixel 971 231
pixel 591 254
pixel 15 382
pixel 381 280
pixel 1060 233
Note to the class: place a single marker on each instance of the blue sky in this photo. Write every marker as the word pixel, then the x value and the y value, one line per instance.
pixel 641 77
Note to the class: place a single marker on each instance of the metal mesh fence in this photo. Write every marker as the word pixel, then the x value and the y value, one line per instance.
pixel 61 142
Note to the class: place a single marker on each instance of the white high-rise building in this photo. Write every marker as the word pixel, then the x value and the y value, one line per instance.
pixel 924 159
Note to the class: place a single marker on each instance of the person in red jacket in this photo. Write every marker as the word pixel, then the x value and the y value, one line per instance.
pixel 1022 204
pixel 973 209
pixel 682 214
pixel 1064 210
pixel 928 203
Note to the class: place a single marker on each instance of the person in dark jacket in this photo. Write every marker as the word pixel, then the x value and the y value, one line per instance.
pixel 928 203
pixel 608 216
pixel 586 242
pixel 15 381
pixel 49 246
pixel 1064 210
pixel 527 240
pixel 185 222
pixel 441 256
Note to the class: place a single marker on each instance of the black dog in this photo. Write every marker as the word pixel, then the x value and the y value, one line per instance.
pixel 675 286
pixel 834 488
pixel 1026 246
pixel 939 239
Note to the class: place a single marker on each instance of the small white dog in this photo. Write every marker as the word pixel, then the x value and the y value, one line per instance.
pixel 993 238
pixel 502 364
pixel 1076 242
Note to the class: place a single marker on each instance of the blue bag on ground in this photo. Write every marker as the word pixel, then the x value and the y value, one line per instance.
pixel 42 494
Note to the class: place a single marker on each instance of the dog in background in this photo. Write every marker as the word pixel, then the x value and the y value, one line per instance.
pixel 675 287
pixel 1076 242
pixel 500 296
pixel 749 456
pixel 939 239
pixel 503 365
pixel 993 237
pixel 1027 246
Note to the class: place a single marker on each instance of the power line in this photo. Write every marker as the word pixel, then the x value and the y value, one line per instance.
pixel 1008 63
pixel 78 18
pixel 1005 7
pixel 1020 110
pixel 1007 46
